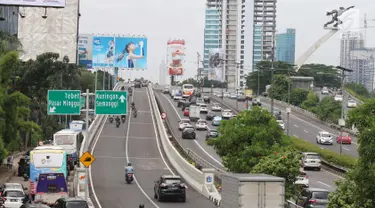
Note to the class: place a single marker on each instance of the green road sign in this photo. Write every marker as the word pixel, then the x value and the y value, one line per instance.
pixel 64 102
pixel 108 102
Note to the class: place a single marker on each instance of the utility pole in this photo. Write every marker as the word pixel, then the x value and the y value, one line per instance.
pixel 199 72
pixel 272 69
pixel 288 109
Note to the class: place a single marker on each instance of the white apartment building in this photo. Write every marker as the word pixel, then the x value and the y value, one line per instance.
pixel 362 62
pixel 350 41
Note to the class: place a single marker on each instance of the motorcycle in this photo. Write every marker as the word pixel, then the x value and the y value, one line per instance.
pixel 133 107
pixel 130 94
pixel 117 124
pixel 123 119
pixel 135 114
pixel 129 178
pixel 25 177
pixel 110 120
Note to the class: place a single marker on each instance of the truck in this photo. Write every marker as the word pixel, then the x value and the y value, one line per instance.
pixel 249 94
pixel 194 113
pixel 252 191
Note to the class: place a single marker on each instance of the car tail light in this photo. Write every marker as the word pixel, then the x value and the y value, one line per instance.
pixel 312 201
pixel 306 177
pixel 70 159
pixel 129 175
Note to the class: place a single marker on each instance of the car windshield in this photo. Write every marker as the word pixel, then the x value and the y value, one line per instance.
pixel 188 130
pixel 203 105
pixel 344 134
pixel 213 131
pixel 77 204
pixel 13 194
pixel 320 195
pixel 202 122
pixel 326 135
pixel 187 109
pixel 227 110
pixel 185 121
pixel 217 118
pixel 172 180
pixel 312 157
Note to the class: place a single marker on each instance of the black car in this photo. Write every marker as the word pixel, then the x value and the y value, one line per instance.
pixel 206 99
pixel 210 116
pixel 70 202
pixel 313 197
pixel 188 133
pixel 171 186
pixel 185 105
pixel 180 102
pixel 212 133
pixel 137 83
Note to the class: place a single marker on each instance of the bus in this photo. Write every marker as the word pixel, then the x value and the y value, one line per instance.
pixel 187 90
pixel 71 141
pixel 77 125
pixel 50 188
pixel 46 159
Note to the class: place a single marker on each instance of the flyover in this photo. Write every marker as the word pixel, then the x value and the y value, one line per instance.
pixel 136 141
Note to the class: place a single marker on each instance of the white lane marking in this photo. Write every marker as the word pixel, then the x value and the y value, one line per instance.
pixel 113 137
pixel 324 184
pixel 141 111
pixel 146 138
pixel 208 154
pixel 337 176
pixel 135 158
pixel 128 158
pixel 142 123
pixel 305 131
pixel 345 148
pixel 295 126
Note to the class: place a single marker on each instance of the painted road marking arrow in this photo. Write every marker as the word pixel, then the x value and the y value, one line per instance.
pixel 52 109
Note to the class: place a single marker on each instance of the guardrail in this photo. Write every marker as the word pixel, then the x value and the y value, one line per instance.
pixel 193 176
pixel 325 164
pixel 353 97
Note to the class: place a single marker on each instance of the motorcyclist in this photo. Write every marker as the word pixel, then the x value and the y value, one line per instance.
pixel 130 90
pixel 141 206
pixel 135 112
pixel 133 105
pixel 129 169
pixel 117 119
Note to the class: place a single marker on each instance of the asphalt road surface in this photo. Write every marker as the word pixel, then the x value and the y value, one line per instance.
pixel 317 179
pixel 134 141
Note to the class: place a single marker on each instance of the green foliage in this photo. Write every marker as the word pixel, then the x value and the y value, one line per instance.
pixel 358 89
pixel 282 164
pixel 328 155
pixel 279 87
pixel 362 117
pixel 329 109
pixel 243 141
pixel 297 96
pixel 323 75
pixel 311 102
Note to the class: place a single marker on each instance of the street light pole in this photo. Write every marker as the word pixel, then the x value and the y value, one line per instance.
pixel 288 110
pixel 258 90
pixel 271 94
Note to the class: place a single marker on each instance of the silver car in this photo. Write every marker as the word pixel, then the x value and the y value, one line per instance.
pixel 311 160
pixel 183 124
pixel 324 137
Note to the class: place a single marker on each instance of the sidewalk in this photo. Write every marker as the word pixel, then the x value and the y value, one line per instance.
pixel 5 174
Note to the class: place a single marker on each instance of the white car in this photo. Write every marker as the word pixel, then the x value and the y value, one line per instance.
pixel 338 98
pixel 183 124
pixel 311 160
pixel 233 96
pixel 302 179
pixel 201 125
pixel 325 91
pixel 226 113
pixel 324 137
pixel 177 97
pixel 351 104
pixel 215 107
pixel 203 108
pixel 226 94
pixel 14 197
pixel 281 123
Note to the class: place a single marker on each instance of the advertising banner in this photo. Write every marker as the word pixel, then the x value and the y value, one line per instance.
pixel 103 51
pixel 216 56
pixel 131 53
pixel 37 3
pixel 85 50
pixel 176 57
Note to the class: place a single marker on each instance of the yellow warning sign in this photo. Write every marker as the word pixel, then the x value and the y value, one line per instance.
pixel 87 159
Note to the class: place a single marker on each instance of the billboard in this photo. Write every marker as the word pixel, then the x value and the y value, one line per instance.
pixel 37 3
pixel 131 52
pixel 216 57
pixel 85 50
pixel 103 51
pixel 176 57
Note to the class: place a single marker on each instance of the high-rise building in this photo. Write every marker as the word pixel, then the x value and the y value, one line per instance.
pixel 350 41
pixel 264 31
pixel 212 31
pixel 286 46
pixel 362 62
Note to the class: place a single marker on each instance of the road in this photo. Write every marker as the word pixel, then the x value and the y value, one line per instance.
pixel 321 179
pixel 136 141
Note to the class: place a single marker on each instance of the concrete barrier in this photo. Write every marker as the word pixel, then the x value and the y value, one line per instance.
pixel 194 177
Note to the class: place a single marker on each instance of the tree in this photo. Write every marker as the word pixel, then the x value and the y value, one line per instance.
pixel 243 141
pixel 328 109
pixel 311 102
pixel 323 75
pixel 283 164
pixel 298 95
pixel 279 87
pixel 358 88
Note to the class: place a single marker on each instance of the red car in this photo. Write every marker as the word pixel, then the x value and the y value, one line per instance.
pixel 345 139
pixel 186 112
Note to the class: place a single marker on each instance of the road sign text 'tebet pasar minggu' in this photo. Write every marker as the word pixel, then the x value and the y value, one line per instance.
pixel 62 102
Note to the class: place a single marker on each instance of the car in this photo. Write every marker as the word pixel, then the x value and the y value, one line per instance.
pixel 226 114
pixel 181 102
pixel 165 90
pixel 188 133
pixel 37 205
pixel 302 179
pixel 70 202
pixel 11 185
pixel 212 133
pixel 210 115
pixel 344 139
pixel 215 107
pixel 338 98
pixel 201 125
pixel 351 104
pixel 324 137
pixel 233 96
pixel 216 121
pixel 281 124
pixel 177 97
pixel 206 99
pixel 137 84
pixel 185 105
pixel 256 102
pixel 199 101
pixel 241 98
pixel 325 91
pixel 311 160
pixel 170 186
pixel 183 123
pixel 220 95
pixel 203 108
pixel 313 198
pixel 13 196
pixel 186 111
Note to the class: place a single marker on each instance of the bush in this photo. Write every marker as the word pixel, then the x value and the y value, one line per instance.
pixel 330 156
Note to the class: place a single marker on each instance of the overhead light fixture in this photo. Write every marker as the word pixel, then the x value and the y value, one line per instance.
pixel 45 13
